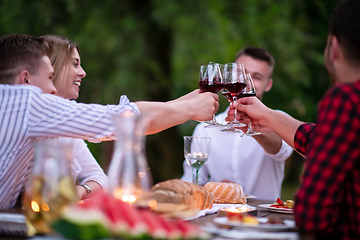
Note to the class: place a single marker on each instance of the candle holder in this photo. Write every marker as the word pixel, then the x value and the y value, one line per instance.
pixel 237 212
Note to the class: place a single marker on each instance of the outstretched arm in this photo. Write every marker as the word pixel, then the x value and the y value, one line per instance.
pixel 266 119
pixel 162 115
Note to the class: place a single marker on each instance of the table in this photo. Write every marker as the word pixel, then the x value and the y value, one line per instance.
pixel 261 212
pixel 201 222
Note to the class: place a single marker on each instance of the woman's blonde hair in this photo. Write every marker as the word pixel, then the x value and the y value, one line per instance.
pixel 59 52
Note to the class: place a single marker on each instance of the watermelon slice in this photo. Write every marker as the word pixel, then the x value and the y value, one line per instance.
pixel 103 216
pixel 136 227
pixel 118 223
pixel 83 222
pixel 155 228
pixel 190 231
pixel 171 229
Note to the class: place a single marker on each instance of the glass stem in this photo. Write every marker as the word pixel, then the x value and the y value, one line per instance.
pixel 213 120
pixel 234 100
pixel 195 175
pixel 249 127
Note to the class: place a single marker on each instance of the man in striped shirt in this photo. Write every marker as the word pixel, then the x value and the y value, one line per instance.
pixel 26 114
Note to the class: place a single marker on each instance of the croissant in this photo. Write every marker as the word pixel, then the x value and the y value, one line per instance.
pixel 226 192
pixel 182 193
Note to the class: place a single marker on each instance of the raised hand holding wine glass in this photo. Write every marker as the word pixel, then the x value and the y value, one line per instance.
pixel 233 83
pixel 196 152
pixel 249 91
pixel 211 81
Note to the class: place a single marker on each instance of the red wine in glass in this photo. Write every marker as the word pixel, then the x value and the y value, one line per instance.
pixel 235 87
pixel 213 86
pixel 228 95
pixel 211 81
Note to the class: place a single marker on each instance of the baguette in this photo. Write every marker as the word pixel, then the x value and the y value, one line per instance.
pixel 179 192
pixel 226 192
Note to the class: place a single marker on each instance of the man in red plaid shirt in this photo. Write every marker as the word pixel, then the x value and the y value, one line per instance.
pixel 327 204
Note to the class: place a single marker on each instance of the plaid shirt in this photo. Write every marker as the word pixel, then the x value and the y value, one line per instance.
pixel 328 201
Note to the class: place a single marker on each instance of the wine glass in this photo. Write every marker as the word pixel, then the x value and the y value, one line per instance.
pixel 233 83
pixel 249 91
pixel 196 151
pixel 211 81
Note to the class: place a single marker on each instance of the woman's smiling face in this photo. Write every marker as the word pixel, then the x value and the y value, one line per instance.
pixel 71 76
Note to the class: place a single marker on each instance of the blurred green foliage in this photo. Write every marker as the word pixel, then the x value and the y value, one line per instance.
pixel 152 50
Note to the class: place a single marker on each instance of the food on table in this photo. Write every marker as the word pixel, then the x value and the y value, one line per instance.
pixel 289 204
pixel 226 192
pixel 104 216
pixel 274 220
pixel 176 195
pixel 242 217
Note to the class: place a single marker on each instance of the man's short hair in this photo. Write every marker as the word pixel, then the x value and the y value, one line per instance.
pixel 19 52
pixel 344 24
pixel 257 53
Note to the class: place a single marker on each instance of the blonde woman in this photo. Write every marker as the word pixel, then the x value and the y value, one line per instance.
pixel 65 59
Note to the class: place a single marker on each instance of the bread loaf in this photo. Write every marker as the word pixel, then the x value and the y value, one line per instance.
pixel 179 192
pixel 226 192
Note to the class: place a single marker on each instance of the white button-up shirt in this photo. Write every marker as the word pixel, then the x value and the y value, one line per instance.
pixel 241 160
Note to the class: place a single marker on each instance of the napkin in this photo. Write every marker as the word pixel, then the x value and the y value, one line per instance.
pixel 12 224
pixel 215 208
pixel 12 217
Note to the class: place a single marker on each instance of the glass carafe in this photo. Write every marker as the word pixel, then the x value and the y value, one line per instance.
pixel 129 174
pixel 50 187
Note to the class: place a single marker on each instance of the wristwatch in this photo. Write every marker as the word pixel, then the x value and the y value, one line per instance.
pixel 87 188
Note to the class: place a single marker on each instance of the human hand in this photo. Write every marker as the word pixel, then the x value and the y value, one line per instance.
pixel 203 105
pixel 250 109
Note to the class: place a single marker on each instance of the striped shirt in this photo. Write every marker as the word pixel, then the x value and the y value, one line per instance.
pixel 26 114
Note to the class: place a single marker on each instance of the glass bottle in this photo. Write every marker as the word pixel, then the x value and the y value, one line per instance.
pixel 50 187
pixel 129 174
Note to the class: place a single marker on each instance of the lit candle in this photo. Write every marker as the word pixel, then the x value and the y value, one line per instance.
pixel 122 195
pixel 234 213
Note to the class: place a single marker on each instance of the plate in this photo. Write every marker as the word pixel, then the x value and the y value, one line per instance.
pixel 230 205
pixel 261 226
pixel 250 196
pixel 277 210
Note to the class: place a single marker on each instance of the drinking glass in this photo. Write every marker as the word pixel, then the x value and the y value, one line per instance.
pixel 196 151
pixel 249 91
pixel 210 80
pixel 50 187
pixel 233 84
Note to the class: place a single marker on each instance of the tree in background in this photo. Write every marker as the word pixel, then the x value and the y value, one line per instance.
pixel 152 50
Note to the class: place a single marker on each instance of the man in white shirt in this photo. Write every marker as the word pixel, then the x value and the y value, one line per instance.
pixel 27 114
pixel 256 163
